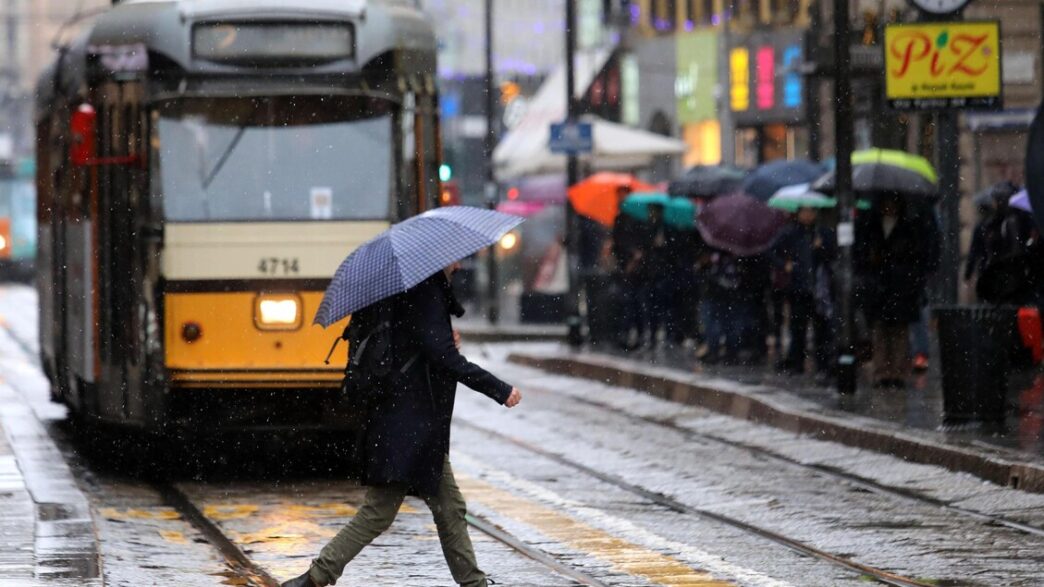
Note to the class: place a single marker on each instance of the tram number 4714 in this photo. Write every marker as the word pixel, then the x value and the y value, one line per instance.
pixel 279 266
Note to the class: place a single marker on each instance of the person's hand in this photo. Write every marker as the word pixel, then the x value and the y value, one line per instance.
pixel 514 398
pixel 456 339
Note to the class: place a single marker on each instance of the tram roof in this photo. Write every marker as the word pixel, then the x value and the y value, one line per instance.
pixel 164 28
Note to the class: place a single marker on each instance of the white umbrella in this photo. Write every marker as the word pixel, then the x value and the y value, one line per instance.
pixel 794 197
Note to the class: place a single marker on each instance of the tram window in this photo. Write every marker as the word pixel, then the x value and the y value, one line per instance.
pixel 282 158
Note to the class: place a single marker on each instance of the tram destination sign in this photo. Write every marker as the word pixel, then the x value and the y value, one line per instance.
pixel 275 42
pixel 943 65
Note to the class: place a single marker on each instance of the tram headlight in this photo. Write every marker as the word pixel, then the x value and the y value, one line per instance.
pixel 278 312
pixel 509 241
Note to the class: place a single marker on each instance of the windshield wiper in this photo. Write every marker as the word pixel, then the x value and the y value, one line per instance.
pixel 224 157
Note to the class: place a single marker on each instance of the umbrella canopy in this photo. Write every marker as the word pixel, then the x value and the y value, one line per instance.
pixel 766 180
pixel 707 181
pixel 407 254
pixel 793 198
pixel 888 171
pixel 677 212
pixel 637 205
pixel 680 213
pixel 740 225
pixel 1021 201
pixel 597 196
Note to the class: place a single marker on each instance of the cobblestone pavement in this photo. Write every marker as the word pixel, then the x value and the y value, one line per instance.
pixel 581 471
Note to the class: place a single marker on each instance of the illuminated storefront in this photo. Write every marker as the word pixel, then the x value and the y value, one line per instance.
pixel 695 90
pixel 767 95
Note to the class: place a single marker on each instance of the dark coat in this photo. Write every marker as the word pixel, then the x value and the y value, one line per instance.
pixel 408 428
pixel 796 249
pixel 892 271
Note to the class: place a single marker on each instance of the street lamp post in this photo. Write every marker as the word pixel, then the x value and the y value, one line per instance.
pixel 846 367
pixel 489 144
pixel 575 336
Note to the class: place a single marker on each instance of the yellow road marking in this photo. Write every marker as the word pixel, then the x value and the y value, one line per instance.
pixel 229 511
pixel 161 513
pixel 326 510
pixel 622 555
pixel 173 536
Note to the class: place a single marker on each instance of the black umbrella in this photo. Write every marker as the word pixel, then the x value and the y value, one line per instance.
pixel 771 177
pixel 886 171
pixel 740 225
pixel 707 181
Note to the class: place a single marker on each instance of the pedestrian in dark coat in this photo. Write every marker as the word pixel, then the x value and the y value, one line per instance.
pixel 803 255
pixel 896 249
pixel 407 437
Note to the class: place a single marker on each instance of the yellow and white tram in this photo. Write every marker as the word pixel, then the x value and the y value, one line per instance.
pixel 203 167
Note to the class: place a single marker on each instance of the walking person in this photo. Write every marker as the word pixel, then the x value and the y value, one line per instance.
pixel 405 448
pixel 896 249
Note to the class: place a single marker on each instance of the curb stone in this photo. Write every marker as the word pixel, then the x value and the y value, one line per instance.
pixel 753 403
pixel 65 546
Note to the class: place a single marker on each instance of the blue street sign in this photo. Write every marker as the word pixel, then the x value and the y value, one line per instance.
pixel 571 138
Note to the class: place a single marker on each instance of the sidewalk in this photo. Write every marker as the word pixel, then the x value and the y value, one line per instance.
pixel 898 422
pixel 46 531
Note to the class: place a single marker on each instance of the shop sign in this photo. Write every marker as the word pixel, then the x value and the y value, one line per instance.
pixel 765 79
pixel 943 65
pixel 697 78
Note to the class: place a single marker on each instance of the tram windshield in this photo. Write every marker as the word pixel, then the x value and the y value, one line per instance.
pixel 276 158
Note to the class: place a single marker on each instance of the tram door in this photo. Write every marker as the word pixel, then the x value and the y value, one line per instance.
pixel 122 204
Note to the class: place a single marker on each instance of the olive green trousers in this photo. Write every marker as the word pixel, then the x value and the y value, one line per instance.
pixel 377 514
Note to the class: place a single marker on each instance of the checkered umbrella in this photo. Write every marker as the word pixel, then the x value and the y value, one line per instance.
pixel 407 254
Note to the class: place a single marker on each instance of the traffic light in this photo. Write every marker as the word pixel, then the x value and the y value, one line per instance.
pixel 450 195
pixel 445 172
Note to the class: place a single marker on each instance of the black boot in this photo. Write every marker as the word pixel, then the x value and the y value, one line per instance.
pixel 304 580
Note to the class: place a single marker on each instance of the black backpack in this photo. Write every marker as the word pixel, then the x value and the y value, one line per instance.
pixel 371 353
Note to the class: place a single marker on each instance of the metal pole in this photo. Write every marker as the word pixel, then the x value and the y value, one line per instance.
pixel 488 144
pixel 847 370
pixel 948 159
pixel 572 176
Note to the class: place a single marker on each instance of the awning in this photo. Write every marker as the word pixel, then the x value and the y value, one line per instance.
pixel 616 147
pixel 524 151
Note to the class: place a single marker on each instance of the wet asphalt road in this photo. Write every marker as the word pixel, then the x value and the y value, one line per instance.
pixel 581 472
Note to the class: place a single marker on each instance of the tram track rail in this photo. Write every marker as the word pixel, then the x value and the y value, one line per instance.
pixel 254 575
pixel 851 478
pixel 879 575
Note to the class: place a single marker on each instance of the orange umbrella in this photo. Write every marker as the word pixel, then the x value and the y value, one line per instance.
pixel 598 197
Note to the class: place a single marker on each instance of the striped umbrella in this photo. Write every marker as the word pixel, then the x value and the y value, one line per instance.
pixel 407 254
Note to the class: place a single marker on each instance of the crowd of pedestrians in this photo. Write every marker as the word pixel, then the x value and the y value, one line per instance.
pixel 672 288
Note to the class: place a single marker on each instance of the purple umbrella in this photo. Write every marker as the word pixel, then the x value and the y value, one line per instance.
pixel 740 224
pixel 1021 201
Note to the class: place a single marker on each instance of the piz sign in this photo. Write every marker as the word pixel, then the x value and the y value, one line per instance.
pixel 941 65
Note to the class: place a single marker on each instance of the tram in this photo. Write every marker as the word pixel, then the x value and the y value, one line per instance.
pixel 203 167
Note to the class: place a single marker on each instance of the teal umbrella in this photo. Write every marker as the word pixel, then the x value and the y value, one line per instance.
pixel 680 213
pixel 677 212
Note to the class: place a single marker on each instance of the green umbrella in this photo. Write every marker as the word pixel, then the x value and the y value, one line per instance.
pixel 887 171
